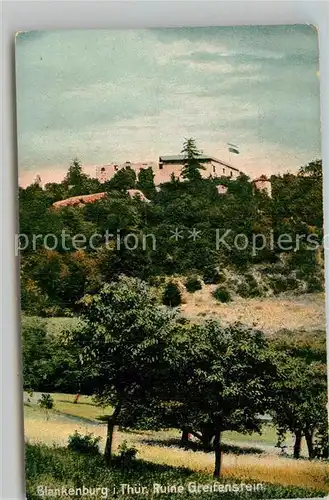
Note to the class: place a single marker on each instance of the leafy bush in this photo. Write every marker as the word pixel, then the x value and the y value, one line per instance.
pixel 127 454
pixel 156 280
pixel 295 282
pixel 292 283
pixel 315 284
pixel 249 287
pixel 278 284
pixel 212 276
pixel 84 443
pixel 304 261
pixel 243 289
pixel 193 284
pixel 172 295
pixel 222 294
pixel 46 402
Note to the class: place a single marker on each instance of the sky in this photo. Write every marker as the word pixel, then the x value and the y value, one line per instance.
pixel 108 96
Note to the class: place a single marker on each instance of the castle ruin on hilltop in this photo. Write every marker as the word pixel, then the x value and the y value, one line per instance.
pixel 170 165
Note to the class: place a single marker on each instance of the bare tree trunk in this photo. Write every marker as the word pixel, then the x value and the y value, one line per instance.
pixel 298 443
pixel 109 440
pixel 111 422
pixel 309 442
pixel 206 441
pixel 207 435
pixel 218 453
pixel 185 436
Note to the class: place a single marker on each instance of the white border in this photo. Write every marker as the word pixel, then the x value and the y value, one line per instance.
pixel 33 15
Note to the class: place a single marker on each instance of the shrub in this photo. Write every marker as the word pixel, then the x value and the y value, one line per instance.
pixel 243 290
pixel 222 294
pixel 193 284
pixel 292 283
pixel 212 276
pixel 254 289
pixel 156 280
pixel 249 287
pixel 278 284
pixel 172 295
pixel 84 443
pixel 127 454
pixel 46 402
pixel 315 284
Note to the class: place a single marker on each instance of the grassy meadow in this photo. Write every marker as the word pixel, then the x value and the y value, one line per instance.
pixel 270 314
pixel 245 458
pixel 58 467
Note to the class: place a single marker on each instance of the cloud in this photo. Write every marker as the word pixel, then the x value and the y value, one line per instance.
pixel 135 94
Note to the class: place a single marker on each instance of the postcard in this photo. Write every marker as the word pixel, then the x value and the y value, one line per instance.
pixel 171 250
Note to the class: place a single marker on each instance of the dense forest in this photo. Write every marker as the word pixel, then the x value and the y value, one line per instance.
pixel 68 252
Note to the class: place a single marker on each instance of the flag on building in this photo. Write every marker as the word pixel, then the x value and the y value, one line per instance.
pixel 233 148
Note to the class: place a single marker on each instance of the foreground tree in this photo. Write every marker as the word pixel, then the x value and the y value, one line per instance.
pixel 222 383
pixel 125 347
pixel 300 404
pixel 230 385
pixel 192 167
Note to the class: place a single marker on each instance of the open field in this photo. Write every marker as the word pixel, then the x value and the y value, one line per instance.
pixel 84 409
pixel 270 314
pixel 87 410
pixel 161 448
